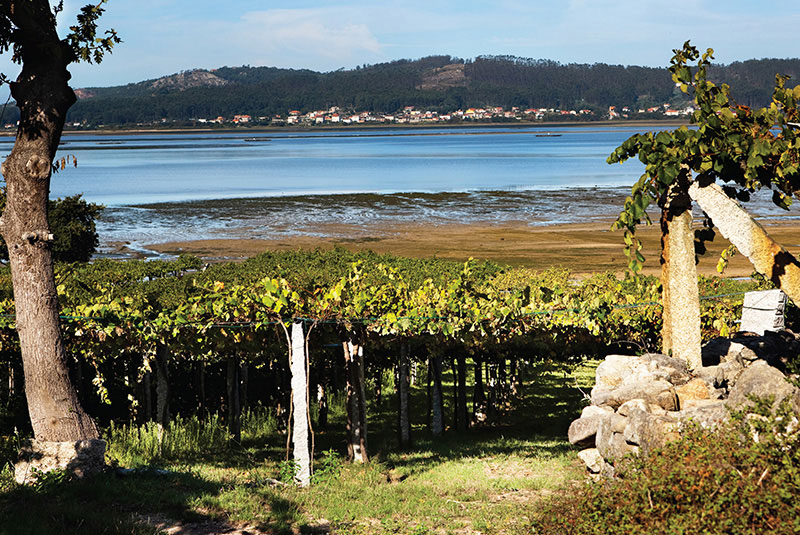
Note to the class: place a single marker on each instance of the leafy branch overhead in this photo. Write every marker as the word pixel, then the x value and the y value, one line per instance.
pixel 746 149
pixel 26 20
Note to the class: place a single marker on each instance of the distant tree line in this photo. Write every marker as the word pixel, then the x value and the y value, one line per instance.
pixel 387 87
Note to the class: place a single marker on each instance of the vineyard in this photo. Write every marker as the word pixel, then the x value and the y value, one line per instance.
pixel 151 340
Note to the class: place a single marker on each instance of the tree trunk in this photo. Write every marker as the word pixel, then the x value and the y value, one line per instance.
pixel 147 390
pixel 43 96
pixel 356 407
pixel 322 406
pixel 479 394
pixel 514 376
pixel 403 391
pixel 437 399
pixel 244 382
pixel 162 385
pixel 460 377
pixel 491 405
pixel 300 431
pixel 234 398
pixel 201 387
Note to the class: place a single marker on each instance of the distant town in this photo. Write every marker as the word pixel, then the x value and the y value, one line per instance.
pixel 412 115
pixel 335 116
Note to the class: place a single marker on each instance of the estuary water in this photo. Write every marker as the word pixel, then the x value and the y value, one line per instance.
pixel 168 187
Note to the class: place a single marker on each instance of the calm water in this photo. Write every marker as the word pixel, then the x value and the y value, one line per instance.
pixel 163 187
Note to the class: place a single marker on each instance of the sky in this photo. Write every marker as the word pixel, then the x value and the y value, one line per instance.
pixel 162 37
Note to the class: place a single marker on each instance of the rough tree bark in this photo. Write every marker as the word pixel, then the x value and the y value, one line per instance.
pixel 43 96
pixel 478 393
pixel 462 421
pixel 403 394
pixel 437 396
pixel 234 397
pixel 162 385
pixel 356 400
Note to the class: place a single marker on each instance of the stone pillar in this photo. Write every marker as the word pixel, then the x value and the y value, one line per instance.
pixel 750 238
pixel 680 297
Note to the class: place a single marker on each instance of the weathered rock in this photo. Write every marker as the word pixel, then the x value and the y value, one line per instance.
pixel 693 390
pixel 729 373
pixel 583 430
pixel 777 348
pixel 647 388
pixel 611 445
pixel 607 471
pixel 649 431
pixel 675 369
pixel 696 403
pixel 594 410
pixel 710 374
pixel 82 458
pixel 592 459
pixel 637 420
pixel 617 423
pixel 721 350
pixel 657 432
pixel 625 408
pixel 760 379
pixel 707 415
pixel 668 400
pixel 613 370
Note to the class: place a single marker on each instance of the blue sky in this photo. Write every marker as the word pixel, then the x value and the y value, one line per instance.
pixel 166 36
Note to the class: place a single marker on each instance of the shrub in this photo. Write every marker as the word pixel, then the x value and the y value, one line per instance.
pixel 723 481
pixel 185 438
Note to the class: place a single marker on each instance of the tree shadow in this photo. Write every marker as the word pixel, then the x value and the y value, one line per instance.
pixel 140 502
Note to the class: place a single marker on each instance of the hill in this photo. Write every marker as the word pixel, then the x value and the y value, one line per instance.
pixel 439 83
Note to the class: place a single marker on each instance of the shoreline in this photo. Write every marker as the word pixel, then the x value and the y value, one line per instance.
pixel 623 123
pixel 583 248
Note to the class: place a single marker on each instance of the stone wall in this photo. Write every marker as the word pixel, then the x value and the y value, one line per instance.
pixel 639 403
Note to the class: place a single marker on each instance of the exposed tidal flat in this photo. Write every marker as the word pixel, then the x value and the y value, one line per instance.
pixel 527 195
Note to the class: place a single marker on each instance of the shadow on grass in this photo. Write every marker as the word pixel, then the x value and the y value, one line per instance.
pixel 114 504
pixel 532 424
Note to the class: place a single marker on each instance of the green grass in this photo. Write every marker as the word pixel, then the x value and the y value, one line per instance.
pixel 487 480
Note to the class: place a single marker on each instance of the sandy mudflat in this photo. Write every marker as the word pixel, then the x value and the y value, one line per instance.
pixel 583 248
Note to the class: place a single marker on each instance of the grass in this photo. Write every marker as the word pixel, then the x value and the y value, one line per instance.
pixel 487 480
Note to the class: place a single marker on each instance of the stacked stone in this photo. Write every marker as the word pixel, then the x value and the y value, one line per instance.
pixel 639 403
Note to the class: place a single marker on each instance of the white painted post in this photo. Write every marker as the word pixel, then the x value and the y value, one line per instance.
pixel 297 364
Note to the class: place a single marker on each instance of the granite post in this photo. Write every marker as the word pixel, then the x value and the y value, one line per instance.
pixel 681 317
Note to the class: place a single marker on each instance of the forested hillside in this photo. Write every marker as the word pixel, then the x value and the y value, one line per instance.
pixel 439 83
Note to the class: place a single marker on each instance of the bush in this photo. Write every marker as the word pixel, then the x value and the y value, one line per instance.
pixel 708 482
pixel 72 222
pixel 185 438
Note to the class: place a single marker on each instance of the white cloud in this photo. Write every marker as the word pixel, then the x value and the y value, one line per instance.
pixel 301 35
